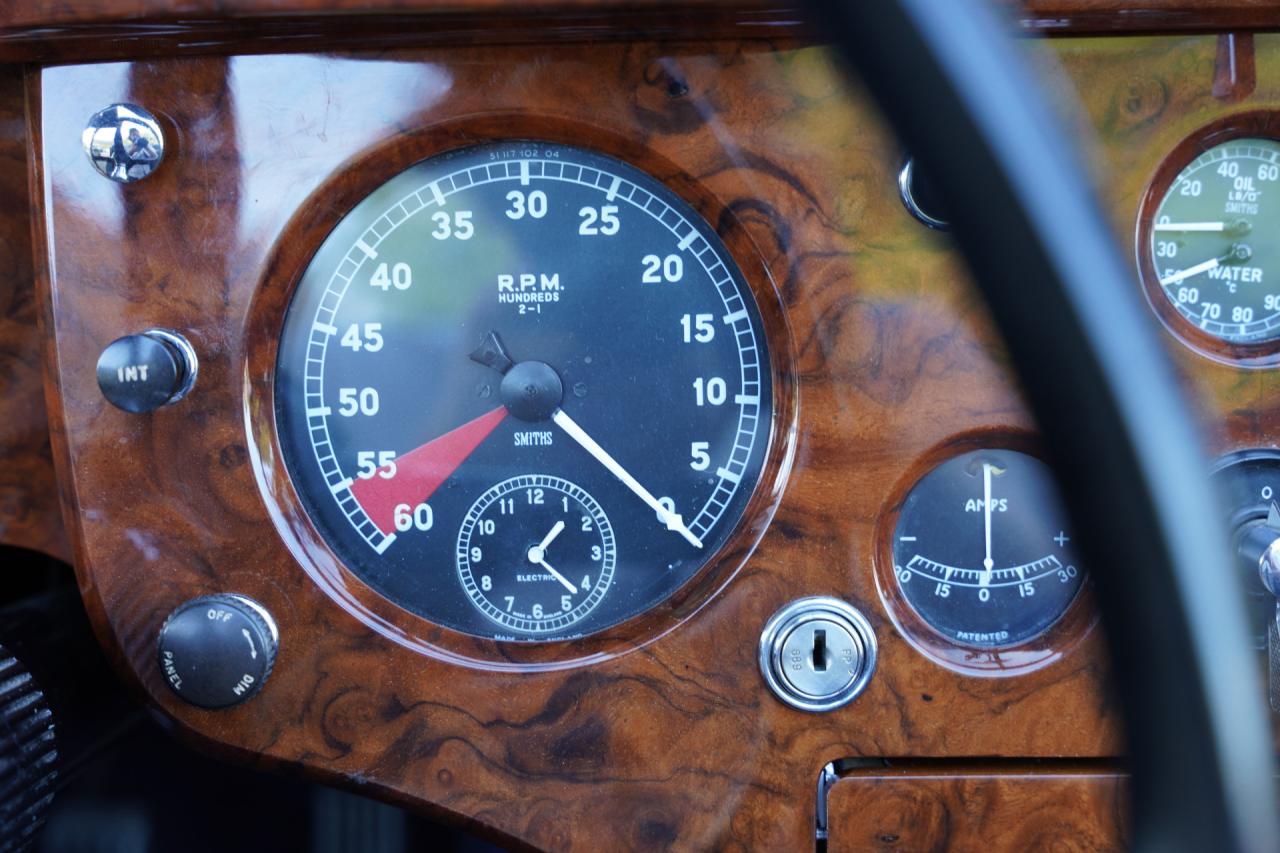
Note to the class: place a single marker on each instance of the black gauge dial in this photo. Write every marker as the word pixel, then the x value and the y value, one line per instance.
pixel 982 549
pixel 513 320
pixel 571 531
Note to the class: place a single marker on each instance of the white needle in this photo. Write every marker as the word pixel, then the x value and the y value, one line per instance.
pixel 672 520
pixel 1174 278
pixel 1191 226
pixel 563 580
pixel 538 556
pixel 987 564
pixel 550 537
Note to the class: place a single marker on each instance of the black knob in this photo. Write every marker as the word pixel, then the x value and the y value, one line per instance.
pixel 218 650
pixel 28 752
pixel 141 373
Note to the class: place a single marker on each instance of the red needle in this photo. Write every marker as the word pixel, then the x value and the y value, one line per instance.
pixel 421 471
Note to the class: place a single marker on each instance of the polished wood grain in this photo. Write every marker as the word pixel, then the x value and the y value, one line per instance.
pixel 978 809
pixel 30 511
pixel 31 14
pixel 1152 104
pixel 123 29
pixel 36 31
pixel 1112 15
pixel 1144 16
pixel 668 737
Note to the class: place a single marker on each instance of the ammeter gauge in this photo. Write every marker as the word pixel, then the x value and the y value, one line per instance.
pixel 983 551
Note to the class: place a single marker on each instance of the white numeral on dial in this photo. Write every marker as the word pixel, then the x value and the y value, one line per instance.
pixel 602 221
pixel 457 226
pixel 399 276
pixel 353 401
pixel 698 327
pixel 534 204
pixel 367 337
pixel 417 517
pixel 711 391
pixel 701 458
pixel 657 270
pixel 380 462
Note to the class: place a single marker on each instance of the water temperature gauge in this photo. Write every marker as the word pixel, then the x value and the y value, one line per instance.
pixel 982 550
pixel 1210 246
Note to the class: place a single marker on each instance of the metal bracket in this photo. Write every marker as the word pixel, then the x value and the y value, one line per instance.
pixel 827 777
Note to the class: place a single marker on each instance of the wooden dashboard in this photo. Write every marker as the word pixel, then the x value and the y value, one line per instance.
pixel 663 734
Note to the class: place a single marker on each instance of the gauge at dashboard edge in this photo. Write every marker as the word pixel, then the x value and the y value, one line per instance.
pixel 725 560
pixel 1248 485
pixel 1203 260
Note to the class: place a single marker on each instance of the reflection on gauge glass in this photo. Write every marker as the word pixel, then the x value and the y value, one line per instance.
pixel 523 391
pixel 982 549
pixel 1212 241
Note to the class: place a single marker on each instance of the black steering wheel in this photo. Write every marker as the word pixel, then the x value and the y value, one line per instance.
pixel 962 99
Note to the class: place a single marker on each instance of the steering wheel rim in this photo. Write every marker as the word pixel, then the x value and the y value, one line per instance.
pixel 962 99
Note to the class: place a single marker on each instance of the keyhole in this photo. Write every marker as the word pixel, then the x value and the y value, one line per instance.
pixel 819 651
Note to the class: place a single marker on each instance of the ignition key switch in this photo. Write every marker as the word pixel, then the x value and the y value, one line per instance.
pixel 817 654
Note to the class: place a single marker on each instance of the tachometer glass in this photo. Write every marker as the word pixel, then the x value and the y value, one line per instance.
pixel 1212 242
pixel 524 391
pixel 982 549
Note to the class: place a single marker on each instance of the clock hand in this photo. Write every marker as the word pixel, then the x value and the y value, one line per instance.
pixel 550 537
pixel 537 552
pixel 547 567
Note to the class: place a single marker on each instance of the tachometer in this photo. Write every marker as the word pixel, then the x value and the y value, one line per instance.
pixel 523 390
